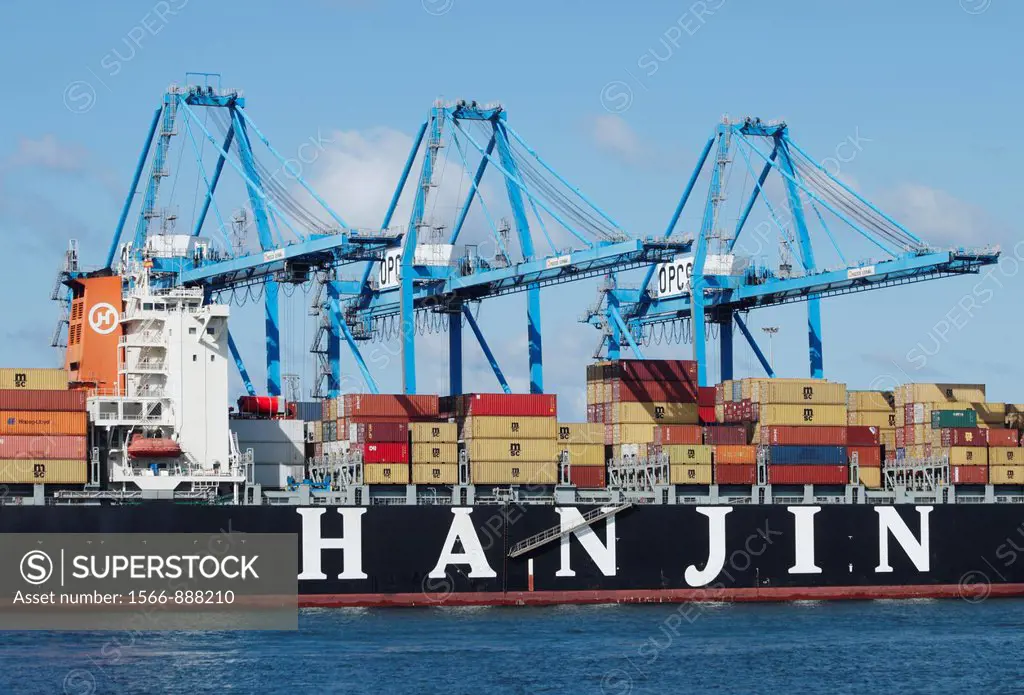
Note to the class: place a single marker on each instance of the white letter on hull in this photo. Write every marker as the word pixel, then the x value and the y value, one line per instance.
pixel 804 540
pixel 602 555
pixel 889 521
pixel 473 555
pixel 313 543
pixel 716 547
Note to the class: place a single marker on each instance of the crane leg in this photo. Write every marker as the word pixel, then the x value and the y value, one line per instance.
pixel 814 337
pixel 725 349
pixel 533 332
pixel 455 353
pixel 273 340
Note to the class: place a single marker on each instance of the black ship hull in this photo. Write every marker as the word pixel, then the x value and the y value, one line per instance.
pixel 434 555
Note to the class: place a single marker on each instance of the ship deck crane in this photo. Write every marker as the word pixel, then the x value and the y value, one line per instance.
pixel 718 292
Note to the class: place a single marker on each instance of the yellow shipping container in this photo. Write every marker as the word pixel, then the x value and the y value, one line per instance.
pixel 505 473
pixel 810 391
pixel 937 393
pixel 992 414
pixel 580 433
pixel 505 427
pixel 916 452
pixel 870 477
pixel 727 390
pixel 688 453
pixel 968 456
pixel 433 432
pixel 793 414
pixel 511 450
pixel 42 422
pixel 698 474
pixel 1006 475
pixel 36 379
pixel 719 412
pixel 591 393
pixel 632 434
pixel 876 401
pixel 887 438
pixel 435 473
pixel 923 434
pixel 1006 456
pixel 69 471
pixel 657 413
pixel 871 418
pixel 440 452
pixel 386 473
pixel 584 454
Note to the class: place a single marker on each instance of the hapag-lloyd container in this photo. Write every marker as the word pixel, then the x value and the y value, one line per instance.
pixel 385 452
pixel 834 435
pixel 740 474
pixel 389 405
pixel 41 446
pixel 804 475
pixel 678 434
pixel 866 456
pixel 37 422
pixel 41 399
pixel 507 404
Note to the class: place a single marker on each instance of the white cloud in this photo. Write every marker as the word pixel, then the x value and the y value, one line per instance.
pixel 613 134
pixel 937 216
pixel 49 153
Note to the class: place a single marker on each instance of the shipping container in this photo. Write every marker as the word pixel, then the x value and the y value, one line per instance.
pixel 362 432
pixel 806 392
pixel 678 434
pixel 963 436
pixel 1001 437
pixel 39 399
pixel 739 474
pixel 308 411
pixel 288 453
pixel 506 450
pixel 807 455
pixel 629 434
pixel 880 401
pixel 1006 475
pixel 513 473
pixel 260 430
pixel 588 477
pixel 584 454
pixel 386 473
pixel 954 418
pixel 870 477
pixel 735 454
pixel 968 455
pixel 621 391
pixel 55 446
pixel 388 405
pixel 808 475
pixel 34 379
pixel 797 435
pixel 874 419
pixel 444 432
pixel 887 438
pixel 652 370
pixel 505 427
pixel 725 434
pixel 706 415
pixel 937 393
pixel 867 456
pixel 1005 456
pixel 659 413
pixel 706 396
pixel 687 453
pixel 580 433
pixel 435 452
pixel 41 422
pixel 968 475
pixel 385 452
pixel 863 435
pixel 690 474
pixel 506 404
pixel 53 471
pixel 435 473
pixel 791 414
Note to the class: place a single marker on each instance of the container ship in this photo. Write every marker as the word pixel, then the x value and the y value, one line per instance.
pixel 753 489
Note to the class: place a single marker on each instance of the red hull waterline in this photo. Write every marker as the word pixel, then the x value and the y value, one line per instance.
pixel 969 592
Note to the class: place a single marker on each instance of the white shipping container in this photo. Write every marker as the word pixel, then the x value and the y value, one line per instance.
pixel 281 431
pixel 276 452
pixel 919 414
pixel 276 475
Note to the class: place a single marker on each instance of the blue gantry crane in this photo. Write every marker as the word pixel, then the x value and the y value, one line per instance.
pixel 728 272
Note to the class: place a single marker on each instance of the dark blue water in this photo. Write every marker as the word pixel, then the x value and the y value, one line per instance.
pixel 853 647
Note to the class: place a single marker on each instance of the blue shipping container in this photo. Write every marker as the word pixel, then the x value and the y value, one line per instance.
pixel 737 391
pixel 308 411
pixel 808 455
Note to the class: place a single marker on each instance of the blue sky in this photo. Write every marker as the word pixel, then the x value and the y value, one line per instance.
pixel 619 97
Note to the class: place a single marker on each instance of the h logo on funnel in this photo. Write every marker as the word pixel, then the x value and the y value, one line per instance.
pixel 103 318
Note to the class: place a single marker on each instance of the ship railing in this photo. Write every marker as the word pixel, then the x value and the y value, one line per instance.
pixel 1009 499
pixel 787 500
pixel 737 500
pixel 389 500
pixel 970 499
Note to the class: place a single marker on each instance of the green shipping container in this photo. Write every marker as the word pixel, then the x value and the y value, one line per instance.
pixel 954 418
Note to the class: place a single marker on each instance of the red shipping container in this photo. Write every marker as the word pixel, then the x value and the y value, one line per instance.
pixel 602 413
pixel 725 434
pixel 386 452
pixel 964 436
pixel 863 435
pixel 901 439
pixel 652 370
pixel 867 456
pixel 746 410
pixel 588 476
pixel 719 394
pixel 678 434
pixel 389 405
pixel 33 399
pixel 968 475
pixel 513 404
pixel 908 435
pixel 890 456
pixel 736 454
pixel 623 391
pixel 736 475
pixel 803 435
pixel 706 414
pixel 908 414
pixel 42 446
pixel 804 475
pixel 378 432
pixel 706 396
pixel 592 413
pixel 1001 437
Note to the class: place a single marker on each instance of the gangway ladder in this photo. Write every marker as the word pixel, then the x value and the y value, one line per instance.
pixel 555 532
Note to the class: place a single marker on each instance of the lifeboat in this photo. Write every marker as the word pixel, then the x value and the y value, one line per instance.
pixel 153 447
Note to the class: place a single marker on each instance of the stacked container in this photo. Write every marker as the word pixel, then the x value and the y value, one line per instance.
pixel 864 447
pixel 43 428
pixel 875 409
pixel 510 438
pixel 435 453
pixel 378 426
pixel 583 444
